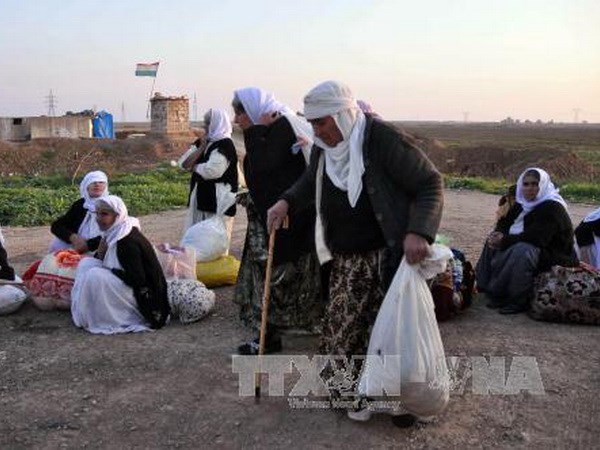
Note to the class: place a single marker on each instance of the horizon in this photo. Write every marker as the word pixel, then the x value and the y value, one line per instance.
pixel 434 61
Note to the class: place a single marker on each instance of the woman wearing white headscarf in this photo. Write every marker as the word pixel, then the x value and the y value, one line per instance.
pixel 211 162
pixel 123 288
pixel 378 197
pixel 277 142
pixel 587 235
pixel 535 234
pixel 78 228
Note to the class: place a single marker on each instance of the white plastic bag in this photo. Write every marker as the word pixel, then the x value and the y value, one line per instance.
pixel 11 298
pixel 209 237
pixel 406 356
pixel 178 263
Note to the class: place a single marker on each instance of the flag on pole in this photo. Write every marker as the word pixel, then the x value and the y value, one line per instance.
pixel 146 70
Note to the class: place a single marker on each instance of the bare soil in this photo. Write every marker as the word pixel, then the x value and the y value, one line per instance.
pixel 61 387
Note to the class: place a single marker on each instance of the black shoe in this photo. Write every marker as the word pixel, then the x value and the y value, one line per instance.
pixel 512 309
pixel 251 348
pixel 404 420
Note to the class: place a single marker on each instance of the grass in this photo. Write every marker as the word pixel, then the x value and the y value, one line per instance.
pixel 574 192
pixel 29 201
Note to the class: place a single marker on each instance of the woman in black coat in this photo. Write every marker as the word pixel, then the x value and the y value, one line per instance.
pixel 535 234
pixel 123 288
pixel 275 140
pixel 78 229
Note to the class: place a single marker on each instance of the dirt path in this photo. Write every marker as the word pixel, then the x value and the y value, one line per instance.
pixel 61 387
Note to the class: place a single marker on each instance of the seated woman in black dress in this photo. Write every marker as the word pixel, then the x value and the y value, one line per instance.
pixel 535 234
pixel 123 288
pixel 78 229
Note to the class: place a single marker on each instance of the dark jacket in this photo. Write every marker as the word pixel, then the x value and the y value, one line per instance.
pixel 404 187
pixel 205 189
pixel 585 232
pixel 270 169
pixel 143 273
pixel 69 224
pixel 548 227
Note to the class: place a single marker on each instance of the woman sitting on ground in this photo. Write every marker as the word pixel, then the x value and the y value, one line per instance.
pixel 123 288
pixel 78 229
pixel 533 236
pixel 587 235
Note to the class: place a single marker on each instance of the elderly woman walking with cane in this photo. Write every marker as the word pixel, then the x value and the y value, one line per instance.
pixel 378 197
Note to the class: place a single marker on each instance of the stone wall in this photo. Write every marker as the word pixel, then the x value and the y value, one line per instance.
pixel 169 115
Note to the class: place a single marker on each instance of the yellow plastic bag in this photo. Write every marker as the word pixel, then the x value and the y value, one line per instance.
pixel 222 271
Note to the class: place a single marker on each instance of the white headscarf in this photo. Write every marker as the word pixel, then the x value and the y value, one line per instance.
pixel 593 216
pixel 343 163
pixel 121 228
pixel 547 191
pixel 96 176
pixel 257 102
pixel 89 227
pixel 219 126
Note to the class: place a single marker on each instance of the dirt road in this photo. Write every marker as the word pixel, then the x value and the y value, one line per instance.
pixel 63 388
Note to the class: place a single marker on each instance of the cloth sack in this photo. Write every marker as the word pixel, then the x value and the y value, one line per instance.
pixel 220 272
pixel 189 300
pixel 406 332
pixel 11 298
pixel 567 294
pixel 209 237
pixel 51 284
pixel 178 263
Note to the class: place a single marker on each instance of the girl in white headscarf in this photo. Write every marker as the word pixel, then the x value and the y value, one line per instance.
pixel 123 288
pixel 78 228
pixel 212 162
pixel 277 145
pixel 535 234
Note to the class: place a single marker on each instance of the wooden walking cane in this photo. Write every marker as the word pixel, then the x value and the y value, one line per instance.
pixel 265 308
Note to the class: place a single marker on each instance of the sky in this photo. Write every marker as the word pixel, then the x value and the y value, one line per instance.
pixel 424 60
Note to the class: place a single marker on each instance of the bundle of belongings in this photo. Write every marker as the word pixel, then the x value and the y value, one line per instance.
pixel 50 280
pixel 406 355
pixel 452 290
pixel 567 294
pixel 210 240
pixel 189 299
pixel 12 295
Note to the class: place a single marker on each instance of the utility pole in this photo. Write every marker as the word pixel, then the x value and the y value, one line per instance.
pixel 51 104
pixel 465 116
pixel 122 111
pixel 576 112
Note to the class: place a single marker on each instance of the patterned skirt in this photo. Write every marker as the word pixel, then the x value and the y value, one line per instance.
pixel 356 293
pixel 296 299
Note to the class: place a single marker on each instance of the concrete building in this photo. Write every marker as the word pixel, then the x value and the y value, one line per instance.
pixel 25 128
pixel 169 115
pixel 64 126
pixel 15 129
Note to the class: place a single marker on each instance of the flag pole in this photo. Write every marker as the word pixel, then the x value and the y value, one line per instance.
pixel 152 91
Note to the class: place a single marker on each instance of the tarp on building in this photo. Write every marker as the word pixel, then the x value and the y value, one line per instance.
pixel 103 125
